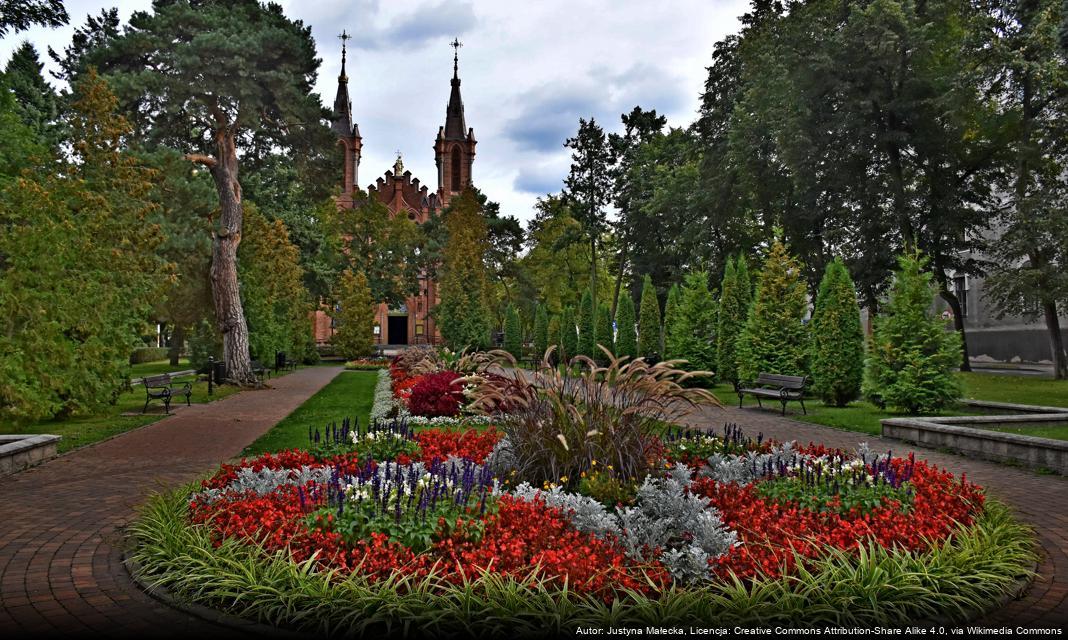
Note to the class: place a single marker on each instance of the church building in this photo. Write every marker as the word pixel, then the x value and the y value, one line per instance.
pixel 403 195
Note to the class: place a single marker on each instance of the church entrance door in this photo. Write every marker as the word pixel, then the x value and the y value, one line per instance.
pixel 398 330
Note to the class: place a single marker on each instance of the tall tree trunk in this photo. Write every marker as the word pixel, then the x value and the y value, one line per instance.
pixel 958 324
pixel 229 314
pixel 177 343
pixel 593 272
pixel 1056 340
pixel 619 279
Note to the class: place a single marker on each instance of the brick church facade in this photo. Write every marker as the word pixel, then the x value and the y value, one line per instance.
pixel 403 195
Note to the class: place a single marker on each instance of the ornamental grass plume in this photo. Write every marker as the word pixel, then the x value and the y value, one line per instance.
pixel 558 422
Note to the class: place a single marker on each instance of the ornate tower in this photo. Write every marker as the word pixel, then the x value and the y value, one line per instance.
pixel 348 133
pixel 454 150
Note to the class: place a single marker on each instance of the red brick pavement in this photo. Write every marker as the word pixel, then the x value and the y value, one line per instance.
pixel 1041 501
pixel 61 542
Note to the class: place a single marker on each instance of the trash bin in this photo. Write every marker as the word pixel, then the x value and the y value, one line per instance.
pixel 219 373
pixel 279 360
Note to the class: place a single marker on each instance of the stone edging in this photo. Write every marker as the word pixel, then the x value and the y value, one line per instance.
pixel 19 452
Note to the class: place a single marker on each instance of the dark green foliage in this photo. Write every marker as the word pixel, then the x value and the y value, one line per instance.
pixel 588 188
pixel 671 322
pixel 147 354
pixel 912 353
pixel 837 338
pixel 541 331
pixel 626 329
pixel 354 316
pixel 733 311
pixel 604 333
pixel 38 105
pixel 513 333
pixel 693 331
pixel 587 338
pixel 462 314
pixel 775 339
pixel 568 335
pixel 204 342
pixel 648 321
pixel 19 15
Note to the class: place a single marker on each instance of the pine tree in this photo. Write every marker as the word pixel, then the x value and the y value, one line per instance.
pixel 694 328
pixel 672 329
pixel 554 338
pixel 568 335
pixel 513 333
pixel 462 315
pixel 541 331
pixel 649 321
pixel 587 338
pixel 37 101
pixel 354 315
pixel 735 298
pixel 604 333
pixel 913 352
pixel 837 338
pixel 775 337
pixel 626 331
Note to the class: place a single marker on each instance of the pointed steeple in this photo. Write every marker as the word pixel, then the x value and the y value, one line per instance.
pixel 455 127
pixel 342 116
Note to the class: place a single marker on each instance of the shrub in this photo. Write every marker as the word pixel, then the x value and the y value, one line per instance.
pixel 354 315
pixel 568 336
pixel 554 339
pixel 671 321
pixel 513 332
pixel 587 337
pixel 912 354
pixel 837 338
pixel 649 321
pixel 775 337
pixel 435 395
pixel 463 315
pixel 204 342
pixel 693 331
pixel 626 331
pixel 148 354
pixel 735 295
pixel 541 331
pixel 604 333
pixel 555 428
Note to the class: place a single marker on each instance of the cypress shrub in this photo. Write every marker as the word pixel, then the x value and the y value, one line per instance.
pixel 733 312
pixel 554 338
pixel 775 337
pixel 355 316
pixel 568 335
pixel 604 332
pixel 694 327
pixel 626 332
pixel 587 337
pixel 913 352
pixel 672 329
pixel 513 333
pixel 648 321
pixel 837 338
pixel 541 331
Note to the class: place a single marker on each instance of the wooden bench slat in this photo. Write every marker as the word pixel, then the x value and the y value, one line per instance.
pixel 771 385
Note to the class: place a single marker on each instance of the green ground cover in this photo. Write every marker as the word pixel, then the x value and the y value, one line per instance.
pixel 1055 432
pixel 350 394
pixel 160 366
pixel 1018 389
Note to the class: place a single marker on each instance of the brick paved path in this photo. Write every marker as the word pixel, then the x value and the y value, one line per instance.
pixel 1041 501
pixel 60 539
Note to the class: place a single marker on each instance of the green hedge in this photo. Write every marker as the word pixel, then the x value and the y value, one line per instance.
pixel 148 354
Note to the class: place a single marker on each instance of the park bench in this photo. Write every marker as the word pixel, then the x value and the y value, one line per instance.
pixel 282 361
pixel 163 387
pixel 781 388
pixel 260 370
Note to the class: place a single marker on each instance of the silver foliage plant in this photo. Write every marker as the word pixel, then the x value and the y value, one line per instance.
pixel 266 481
pixel 683 528
pixel 747 468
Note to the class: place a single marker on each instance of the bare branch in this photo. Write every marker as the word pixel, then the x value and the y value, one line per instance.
pixel 200 158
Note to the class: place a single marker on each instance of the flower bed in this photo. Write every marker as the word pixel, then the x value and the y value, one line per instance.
pixel 440 515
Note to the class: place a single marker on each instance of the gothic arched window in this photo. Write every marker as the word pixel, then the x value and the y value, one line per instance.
pixel 455 168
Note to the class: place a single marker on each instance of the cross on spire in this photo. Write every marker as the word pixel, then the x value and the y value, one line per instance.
pixel 343 37
pixel 456 44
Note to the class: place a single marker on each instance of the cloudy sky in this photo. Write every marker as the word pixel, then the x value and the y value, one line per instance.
pixel 529 70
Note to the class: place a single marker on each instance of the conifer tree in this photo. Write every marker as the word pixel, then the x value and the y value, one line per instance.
pixel 541 331
pixel 37 102
pixel 694 327
pixel 837 338
pixel 672 329
pixel 587 338
pixel 626 331
pixel 568 335
pixel 775 337
pixel 513 333
pixel 355 316
pixel 604 333
pixel 913 352
pixel 649 321
pixel 733 312
pixel 462 314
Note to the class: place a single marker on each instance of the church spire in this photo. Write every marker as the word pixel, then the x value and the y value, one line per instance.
pixel 455 127
pixel 342 116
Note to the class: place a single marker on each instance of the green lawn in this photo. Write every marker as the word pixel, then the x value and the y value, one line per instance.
pixel 864 417
pixel 160 366
pixel 82 430
pixel 1056 432
pixel 350 394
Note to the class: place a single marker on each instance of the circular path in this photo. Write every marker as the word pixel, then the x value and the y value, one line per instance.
pixel 1039 500
pixel 61 541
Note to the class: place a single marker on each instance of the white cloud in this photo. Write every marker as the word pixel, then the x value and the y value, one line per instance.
pixel 529 71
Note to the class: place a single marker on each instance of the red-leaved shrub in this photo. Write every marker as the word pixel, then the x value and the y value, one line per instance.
pixel 435 395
